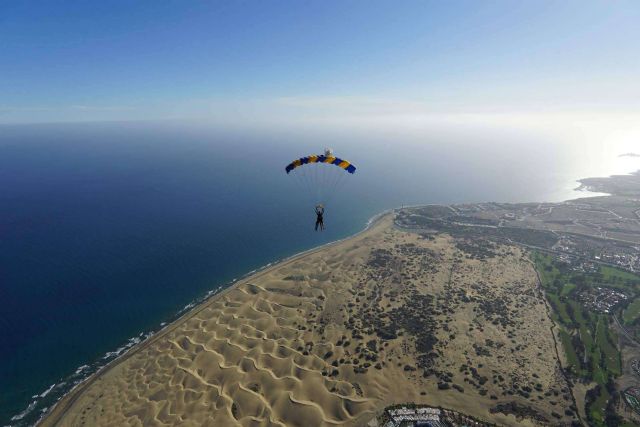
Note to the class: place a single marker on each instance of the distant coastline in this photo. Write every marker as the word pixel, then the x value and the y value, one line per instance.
pixel 614 185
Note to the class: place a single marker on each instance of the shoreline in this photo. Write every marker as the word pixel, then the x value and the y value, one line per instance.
pixel 240 332
pixel 52 415
pixel 84 376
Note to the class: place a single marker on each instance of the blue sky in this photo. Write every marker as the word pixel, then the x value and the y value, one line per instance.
pixel 107 60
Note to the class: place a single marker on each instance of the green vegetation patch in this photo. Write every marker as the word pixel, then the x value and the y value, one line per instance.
pixel 559 308
pixel 632 312
pixel 567 289
pixel 588 341
pixel 572 357
pixel 597 408
pixel 615 275
pixel 604 341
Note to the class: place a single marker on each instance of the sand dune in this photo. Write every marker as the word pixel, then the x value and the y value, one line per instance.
pixel 300 344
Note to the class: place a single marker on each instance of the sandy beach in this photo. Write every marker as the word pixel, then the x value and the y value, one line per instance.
pixel 334 335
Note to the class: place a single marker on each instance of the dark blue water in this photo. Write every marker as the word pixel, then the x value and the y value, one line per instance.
pixel 107 230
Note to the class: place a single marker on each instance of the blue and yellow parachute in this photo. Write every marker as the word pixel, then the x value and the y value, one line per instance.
pixel 317 181
pixel 321 158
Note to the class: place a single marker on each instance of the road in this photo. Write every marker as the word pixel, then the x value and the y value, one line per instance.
pixel 625 331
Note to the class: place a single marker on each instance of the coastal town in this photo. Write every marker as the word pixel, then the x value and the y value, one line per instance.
pixel 602 300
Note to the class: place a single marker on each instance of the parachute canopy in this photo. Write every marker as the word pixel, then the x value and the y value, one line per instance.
pixel 318 176
pixel 327 158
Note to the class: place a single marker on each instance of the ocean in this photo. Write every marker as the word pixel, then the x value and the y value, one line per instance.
pixel 110 230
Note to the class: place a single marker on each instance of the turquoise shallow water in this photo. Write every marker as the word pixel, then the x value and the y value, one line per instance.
pixel 109 230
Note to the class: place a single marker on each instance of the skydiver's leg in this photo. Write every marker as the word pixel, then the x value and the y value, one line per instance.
pixel 317 223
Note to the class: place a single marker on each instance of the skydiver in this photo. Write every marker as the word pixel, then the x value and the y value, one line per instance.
pixel 320 219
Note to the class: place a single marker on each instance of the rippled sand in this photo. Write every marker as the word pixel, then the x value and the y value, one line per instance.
pixel 278 348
